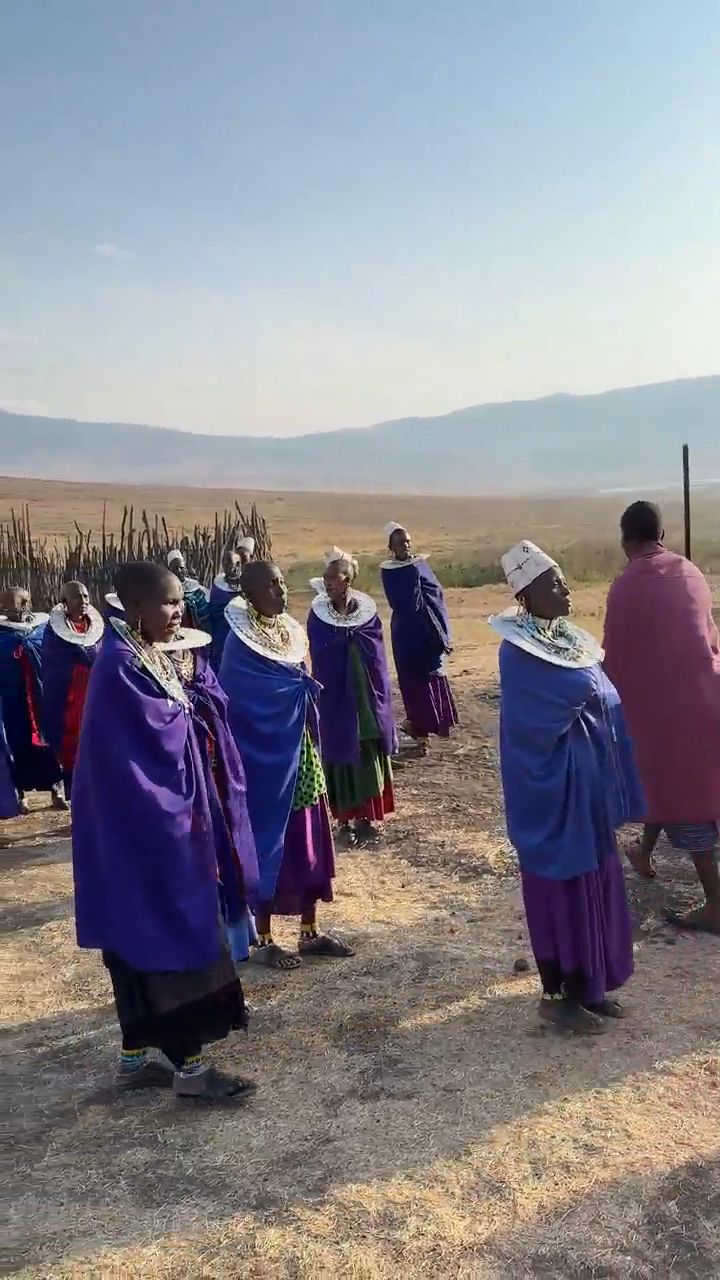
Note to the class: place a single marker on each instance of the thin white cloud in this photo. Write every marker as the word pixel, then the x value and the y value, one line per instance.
pixel 24 406
pixel 108 249
pixel 9 339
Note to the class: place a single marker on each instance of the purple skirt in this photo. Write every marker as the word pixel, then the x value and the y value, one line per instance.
pixel 580 931
pixel 429 703
pixel 308 863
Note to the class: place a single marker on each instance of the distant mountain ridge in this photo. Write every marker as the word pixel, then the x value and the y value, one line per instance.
pixel 627 437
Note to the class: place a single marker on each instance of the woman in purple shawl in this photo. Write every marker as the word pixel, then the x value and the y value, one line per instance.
pixel 34 766
pixel 71 643
pixel 274 722
pixel 156 874
pixel 421 641
pixel 357 727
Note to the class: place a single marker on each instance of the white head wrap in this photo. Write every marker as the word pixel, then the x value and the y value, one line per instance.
pixel 391 527
pixel 335 554
pixel 175 554
pixel 524 563
pixel 247 544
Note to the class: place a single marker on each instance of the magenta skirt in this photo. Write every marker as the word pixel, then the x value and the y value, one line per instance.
pixel 308 863
pixel 429 703
pixel 580 931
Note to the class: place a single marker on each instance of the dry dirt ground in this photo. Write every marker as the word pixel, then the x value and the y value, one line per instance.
pixel 412 1119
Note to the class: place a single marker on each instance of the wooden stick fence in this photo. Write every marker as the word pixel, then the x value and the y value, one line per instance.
pixel 43 566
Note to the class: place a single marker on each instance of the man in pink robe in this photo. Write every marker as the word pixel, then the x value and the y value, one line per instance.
pixel 662 653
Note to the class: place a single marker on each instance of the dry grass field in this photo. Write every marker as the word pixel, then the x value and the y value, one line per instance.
pixel 304 524
pixel 412 1119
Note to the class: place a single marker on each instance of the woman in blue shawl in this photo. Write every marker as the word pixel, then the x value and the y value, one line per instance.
pixel 569 781
pixel 273 719
pixel 357 726
pixel 421 640
pixel 34 766
pixel 189 653
pixel 156 874
pixel 197 610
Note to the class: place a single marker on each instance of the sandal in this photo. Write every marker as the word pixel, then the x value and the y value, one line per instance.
pixel 571 1018
pixel 365 833
pixel 607 1009
pixel 151 1075
pixel 210 1085
pixel 272 956
pixel 324 944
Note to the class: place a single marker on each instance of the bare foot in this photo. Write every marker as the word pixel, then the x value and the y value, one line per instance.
pixel 640 861
pixel 705 919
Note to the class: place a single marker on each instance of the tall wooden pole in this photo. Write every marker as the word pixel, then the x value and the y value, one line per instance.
pixel 686 500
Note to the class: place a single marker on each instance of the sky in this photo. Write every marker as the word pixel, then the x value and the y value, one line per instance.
pixel 295 215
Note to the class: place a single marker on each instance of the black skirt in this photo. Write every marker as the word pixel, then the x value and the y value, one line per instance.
pixel 176 1011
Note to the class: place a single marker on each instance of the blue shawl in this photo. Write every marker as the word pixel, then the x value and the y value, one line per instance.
pixel 34 766
pixel 420 628
pixel 568 772
pixel 269 704
pixel 59 660
pixel 216 622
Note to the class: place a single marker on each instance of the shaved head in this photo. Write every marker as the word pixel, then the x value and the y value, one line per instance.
pixel 15 603
pixel 152 598
pixel 139 580
pixel 263 587
pixel 76 598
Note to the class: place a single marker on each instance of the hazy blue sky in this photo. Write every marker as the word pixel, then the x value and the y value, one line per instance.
pixel 280 215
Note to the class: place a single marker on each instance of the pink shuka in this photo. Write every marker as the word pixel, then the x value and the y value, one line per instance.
pixel 662 654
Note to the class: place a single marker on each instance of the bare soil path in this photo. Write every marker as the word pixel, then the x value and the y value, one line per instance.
pixel 412 1118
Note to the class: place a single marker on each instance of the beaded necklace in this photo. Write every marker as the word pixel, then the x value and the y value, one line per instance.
pixel 154 661
pixel 272 633
pixel 184 663
pixel 559 637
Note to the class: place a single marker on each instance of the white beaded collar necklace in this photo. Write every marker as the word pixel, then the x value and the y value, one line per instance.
pixel 154 662
pixel 61 626
pixel 24 628
pixel 401 564
pixel 324 609
pixel 241 625
pixel 222 584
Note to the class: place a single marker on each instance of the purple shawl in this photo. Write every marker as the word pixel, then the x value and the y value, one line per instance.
pixel 420 628
pixel 144 859
pixel 226 782
pixel 330 652
pixel 59 660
